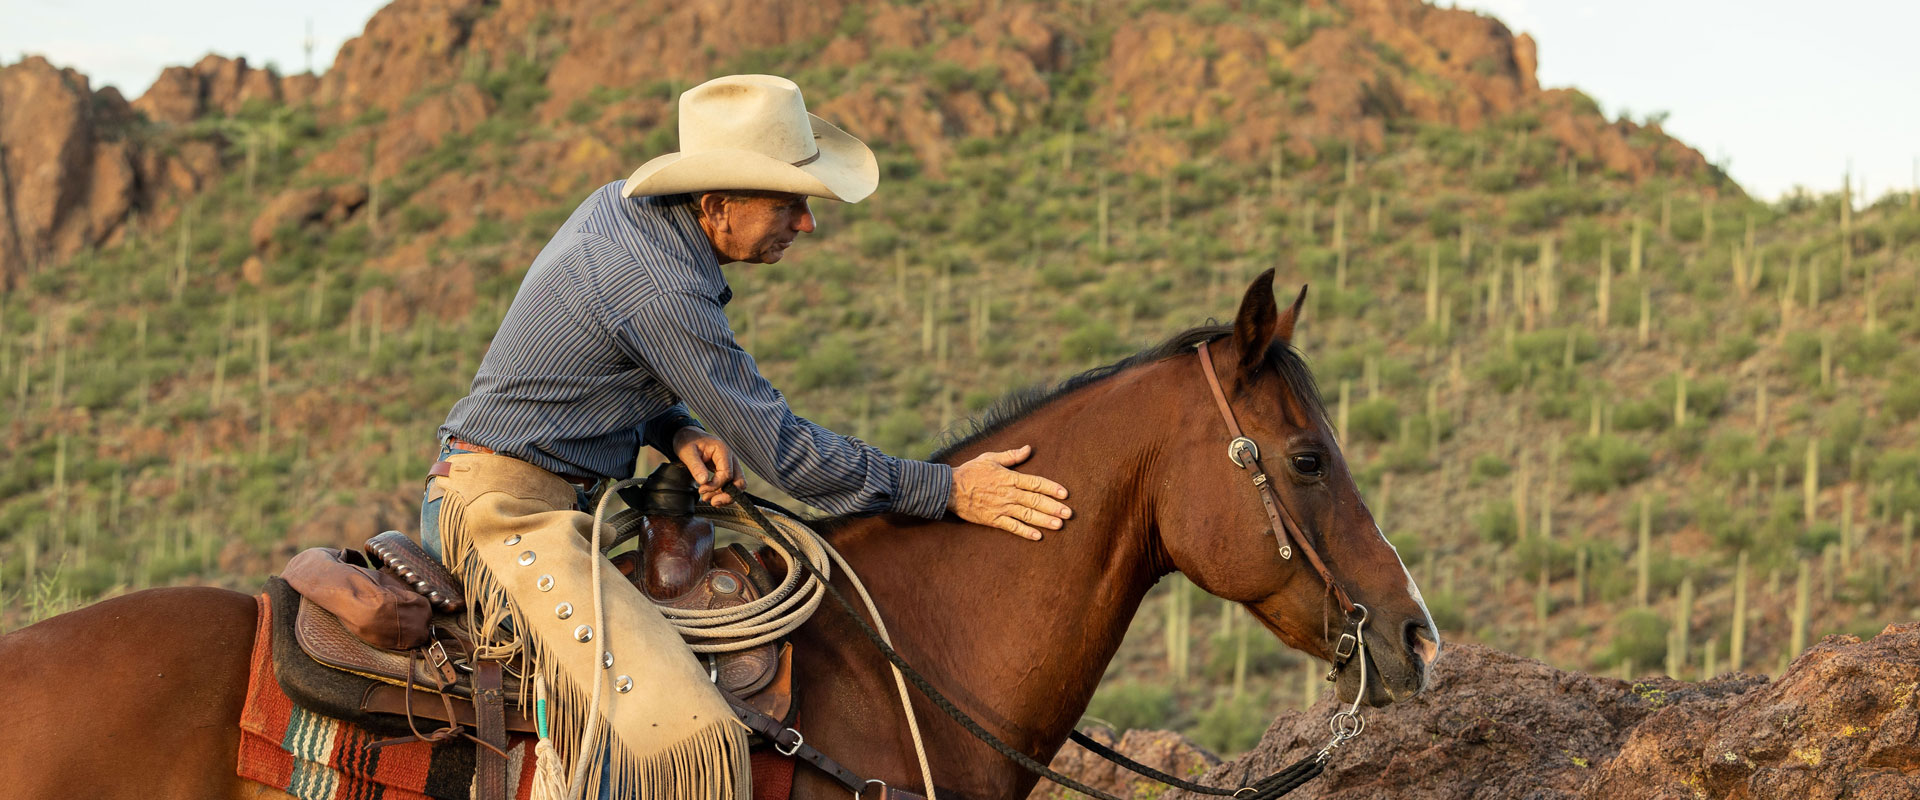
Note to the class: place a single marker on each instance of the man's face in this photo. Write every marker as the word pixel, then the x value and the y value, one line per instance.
pixel 757 227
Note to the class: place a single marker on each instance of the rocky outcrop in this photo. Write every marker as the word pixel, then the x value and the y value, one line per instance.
pixel 77 166
pixel 1166 751
pixel 216 85
pixel 1345 71
pixel 69 174
pixel 1841 722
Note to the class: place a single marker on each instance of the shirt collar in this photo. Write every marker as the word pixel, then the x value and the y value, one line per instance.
pixel 679 212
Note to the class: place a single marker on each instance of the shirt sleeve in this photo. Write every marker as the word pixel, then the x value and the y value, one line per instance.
pixel 684 339
pixel 659 431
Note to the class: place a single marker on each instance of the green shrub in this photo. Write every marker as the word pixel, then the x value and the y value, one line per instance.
pixel 832 364
pixel 1448 610
pixel 1131 705
pixel 1265 653
pixel 1231 726
pixel 1604 463
pixel 1375 420
pixel 1487 466
pixel 417 218
pixel 1640 415
pixel 1903 397
pixel 1495 522
pixel 1093 340
pixel 1639 638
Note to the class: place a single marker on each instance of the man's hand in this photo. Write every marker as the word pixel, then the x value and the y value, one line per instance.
pixel 712 465
pixel 986 492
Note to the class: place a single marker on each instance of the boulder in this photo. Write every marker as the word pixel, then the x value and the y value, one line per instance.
pixel 1166 751
pixel 1841 722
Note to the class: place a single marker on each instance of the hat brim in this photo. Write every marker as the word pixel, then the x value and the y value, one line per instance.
pixel 846 170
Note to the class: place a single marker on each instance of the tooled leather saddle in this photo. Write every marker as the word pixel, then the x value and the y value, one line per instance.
pixel 324 666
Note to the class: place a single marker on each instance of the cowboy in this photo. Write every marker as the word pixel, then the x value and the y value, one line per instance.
pixel 618 337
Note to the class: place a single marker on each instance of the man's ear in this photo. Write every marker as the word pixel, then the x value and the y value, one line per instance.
pixel 713 206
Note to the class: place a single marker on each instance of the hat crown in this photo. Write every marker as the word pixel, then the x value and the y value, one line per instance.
pixel 758 113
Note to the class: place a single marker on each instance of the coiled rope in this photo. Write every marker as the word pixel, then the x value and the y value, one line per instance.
pixel 779 612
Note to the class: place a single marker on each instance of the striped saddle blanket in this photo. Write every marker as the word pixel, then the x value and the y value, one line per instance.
pixel 320 758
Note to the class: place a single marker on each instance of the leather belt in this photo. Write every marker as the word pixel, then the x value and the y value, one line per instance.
pixel 441 470
pixel 489 706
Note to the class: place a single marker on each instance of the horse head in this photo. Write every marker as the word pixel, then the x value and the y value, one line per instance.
pixel 1217 529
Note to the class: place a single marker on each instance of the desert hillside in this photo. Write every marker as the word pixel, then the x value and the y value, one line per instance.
pixel 1615 414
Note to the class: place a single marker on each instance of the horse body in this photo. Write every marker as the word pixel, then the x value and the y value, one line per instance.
pixel 133 697
pixel 138 696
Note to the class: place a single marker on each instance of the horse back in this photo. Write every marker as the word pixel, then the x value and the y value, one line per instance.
pixel 136 696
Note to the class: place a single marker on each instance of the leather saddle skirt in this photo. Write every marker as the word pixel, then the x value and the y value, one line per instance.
pixel 324 667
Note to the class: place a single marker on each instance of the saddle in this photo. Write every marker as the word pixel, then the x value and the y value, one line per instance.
pixel 325 667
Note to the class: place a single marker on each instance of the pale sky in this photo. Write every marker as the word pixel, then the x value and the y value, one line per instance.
pixel 1783 93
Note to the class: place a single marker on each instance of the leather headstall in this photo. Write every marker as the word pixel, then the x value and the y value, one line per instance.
pixel 1245 454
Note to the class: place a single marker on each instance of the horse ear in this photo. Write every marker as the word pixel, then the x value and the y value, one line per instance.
pixel 1284 331
pixel 1257 322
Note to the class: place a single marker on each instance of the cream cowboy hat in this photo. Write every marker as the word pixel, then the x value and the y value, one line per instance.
pixel 754 132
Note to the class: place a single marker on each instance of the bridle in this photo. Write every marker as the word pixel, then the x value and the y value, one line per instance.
pixel 1287 534
pixel 1246 455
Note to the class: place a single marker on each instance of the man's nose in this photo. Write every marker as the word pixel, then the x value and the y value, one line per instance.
pixel 804 223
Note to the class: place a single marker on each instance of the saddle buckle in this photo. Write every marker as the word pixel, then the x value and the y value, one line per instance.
pixel 437 655
pixel 798 740
pixel 1344 648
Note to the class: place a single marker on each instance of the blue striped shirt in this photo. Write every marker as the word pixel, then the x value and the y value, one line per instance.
pixel 619 325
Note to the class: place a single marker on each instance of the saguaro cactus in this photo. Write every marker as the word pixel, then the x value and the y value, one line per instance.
pixel 1736 650
pixel 1682 629
pixel 1810 483
pixel 1603 297
pixel 1433 284
pixel 1906 539
pixel 1802 607
pixel 1643 559
pixel 1637 251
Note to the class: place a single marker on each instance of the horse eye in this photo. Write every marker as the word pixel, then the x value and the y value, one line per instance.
pixel 1307 464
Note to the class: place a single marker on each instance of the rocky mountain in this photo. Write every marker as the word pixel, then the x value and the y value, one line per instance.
pixel 82 168
pixel 1841 722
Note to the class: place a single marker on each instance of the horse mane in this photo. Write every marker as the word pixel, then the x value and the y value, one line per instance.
pixel 1020 403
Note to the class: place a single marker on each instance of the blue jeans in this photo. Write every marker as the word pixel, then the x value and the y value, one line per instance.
pixel 430 506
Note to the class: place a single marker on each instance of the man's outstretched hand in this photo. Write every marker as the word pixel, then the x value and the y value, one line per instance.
pixel 712 464
pixel 987 492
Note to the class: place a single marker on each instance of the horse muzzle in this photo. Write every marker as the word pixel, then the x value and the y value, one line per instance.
pixel 1398 663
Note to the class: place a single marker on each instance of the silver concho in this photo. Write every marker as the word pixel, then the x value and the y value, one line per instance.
pixel 545 583
pixel 623 684
pixel 606 660
pixel 583 633
pixel 563 611
pixel 513 540
pixel 526 558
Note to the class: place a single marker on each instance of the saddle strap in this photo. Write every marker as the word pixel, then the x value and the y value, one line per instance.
pixel 789 742
pixel 489 706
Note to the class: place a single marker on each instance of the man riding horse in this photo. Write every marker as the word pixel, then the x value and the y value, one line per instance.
pixel 618 337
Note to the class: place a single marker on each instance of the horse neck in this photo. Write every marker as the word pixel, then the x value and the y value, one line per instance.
pixel 1019 633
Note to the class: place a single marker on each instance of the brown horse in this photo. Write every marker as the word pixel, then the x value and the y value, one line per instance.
pixel 138 696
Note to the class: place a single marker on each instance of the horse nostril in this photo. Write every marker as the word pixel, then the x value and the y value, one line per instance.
pixel 1421 642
